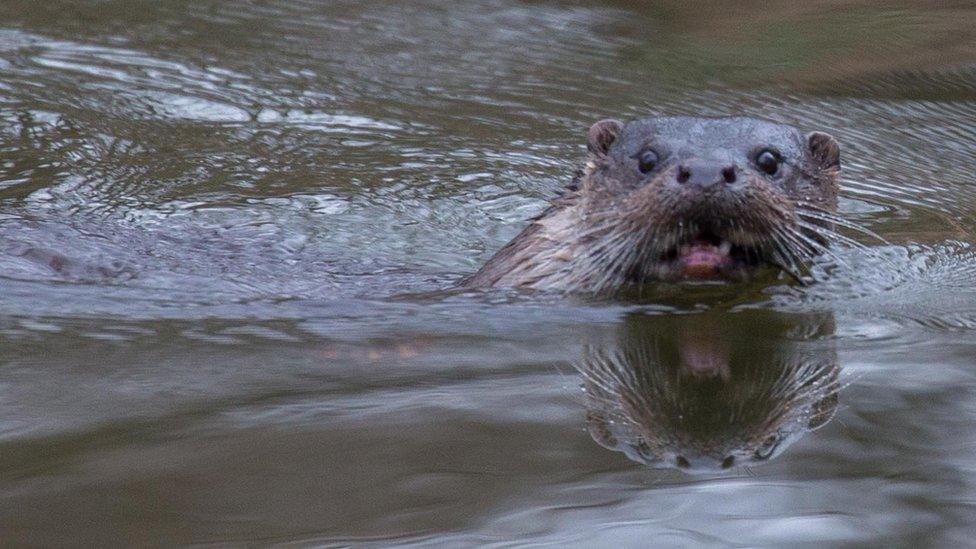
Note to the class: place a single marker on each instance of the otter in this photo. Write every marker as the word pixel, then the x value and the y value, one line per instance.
pixel 678 199
pixel 702 394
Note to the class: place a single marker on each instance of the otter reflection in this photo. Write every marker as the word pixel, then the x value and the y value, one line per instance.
pixel 704 392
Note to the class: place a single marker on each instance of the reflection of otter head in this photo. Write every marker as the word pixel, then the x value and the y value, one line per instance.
pixel 706 392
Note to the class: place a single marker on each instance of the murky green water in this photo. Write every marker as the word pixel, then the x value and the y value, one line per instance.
pixel 229 232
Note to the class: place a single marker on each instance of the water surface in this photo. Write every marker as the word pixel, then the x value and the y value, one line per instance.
pixel 229 232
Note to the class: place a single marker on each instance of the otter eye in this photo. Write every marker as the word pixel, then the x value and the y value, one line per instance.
pixel 646 160
pixel 768 161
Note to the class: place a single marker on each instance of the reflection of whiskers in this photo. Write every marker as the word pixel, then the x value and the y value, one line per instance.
pixel 648 407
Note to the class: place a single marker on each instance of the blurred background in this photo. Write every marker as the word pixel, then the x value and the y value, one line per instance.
pixel 230 229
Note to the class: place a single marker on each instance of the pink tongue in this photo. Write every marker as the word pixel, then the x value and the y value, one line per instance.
pixel 701 261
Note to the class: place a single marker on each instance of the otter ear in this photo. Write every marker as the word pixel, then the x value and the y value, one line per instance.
pixel 823 149
pixel 602 134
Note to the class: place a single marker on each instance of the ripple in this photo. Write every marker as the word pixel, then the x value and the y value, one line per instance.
pixel 934 287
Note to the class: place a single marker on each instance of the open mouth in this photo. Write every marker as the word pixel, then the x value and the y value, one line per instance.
pixel 708 256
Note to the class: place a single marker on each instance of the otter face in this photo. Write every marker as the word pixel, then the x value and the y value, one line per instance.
pixel 710 198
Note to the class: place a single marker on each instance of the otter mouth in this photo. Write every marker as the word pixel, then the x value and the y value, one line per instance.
pixel 707 256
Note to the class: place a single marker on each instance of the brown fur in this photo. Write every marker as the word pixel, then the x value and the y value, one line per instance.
pixel 606 231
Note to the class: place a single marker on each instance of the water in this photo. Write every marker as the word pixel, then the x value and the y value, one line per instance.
pixel 230 231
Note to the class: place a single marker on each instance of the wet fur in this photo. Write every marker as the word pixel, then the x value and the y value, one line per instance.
pixel 606 232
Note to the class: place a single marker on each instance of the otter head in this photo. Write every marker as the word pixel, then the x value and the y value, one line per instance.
pixel 681 198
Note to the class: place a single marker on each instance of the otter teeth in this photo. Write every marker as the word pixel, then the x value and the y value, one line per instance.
pixel 725 248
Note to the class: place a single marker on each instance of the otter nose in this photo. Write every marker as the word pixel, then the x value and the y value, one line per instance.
pixel 704 175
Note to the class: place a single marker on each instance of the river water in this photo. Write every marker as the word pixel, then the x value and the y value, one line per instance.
pixel 230 231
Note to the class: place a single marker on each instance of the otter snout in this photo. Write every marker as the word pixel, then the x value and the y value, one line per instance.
pixel 705 174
